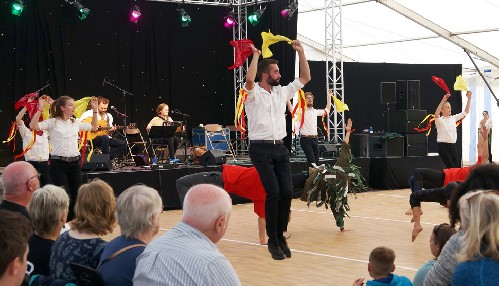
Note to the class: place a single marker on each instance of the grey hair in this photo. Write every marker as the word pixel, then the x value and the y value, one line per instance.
pixel 464 208
pixel 135 208
pixel 46 208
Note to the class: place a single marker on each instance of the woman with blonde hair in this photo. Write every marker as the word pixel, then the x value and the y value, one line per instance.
pixel 479 254
pixel 138 209
pixel 94 217
pixel 49 210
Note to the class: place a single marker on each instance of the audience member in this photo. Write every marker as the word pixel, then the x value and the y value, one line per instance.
pixel 439 237
pixel 20 180
pixel 138 209
pixel 49 211
pixel 479 255
pixel 15 230
pixel 187 254
pixel 94 216
pixel 381 266
pixel 443 269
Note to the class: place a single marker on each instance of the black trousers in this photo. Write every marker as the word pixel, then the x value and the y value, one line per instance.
pixel 112 146
pixel 272 164
pixel 426 178
pixel 172 143
pixel 42 168
pixel 68 176
pixel 186 182
pixel 448 153
pixel 310 147
pixel 438 195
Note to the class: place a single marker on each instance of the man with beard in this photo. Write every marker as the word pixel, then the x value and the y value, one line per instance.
pixel 308 133
pixel 265 108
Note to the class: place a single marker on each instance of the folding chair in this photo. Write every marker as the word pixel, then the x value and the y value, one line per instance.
pixel 218 139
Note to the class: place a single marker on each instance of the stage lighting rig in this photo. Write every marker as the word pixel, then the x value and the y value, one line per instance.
pixel 82 11
pixel 17 7
pixel 230 20
pixel 185 19
pixel 254 17
pixel 290 10
pixel 135 14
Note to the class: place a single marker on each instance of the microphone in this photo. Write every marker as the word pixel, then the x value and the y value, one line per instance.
pixel 119 113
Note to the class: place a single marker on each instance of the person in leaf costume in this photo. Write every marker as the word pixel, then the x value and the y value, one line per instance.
pixel 329 185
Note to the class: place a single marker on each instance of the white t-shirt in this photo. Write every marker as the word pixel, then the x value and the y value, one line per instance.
pixel 446 127
pixel 39 152
pixel 64 135
pixel 310 122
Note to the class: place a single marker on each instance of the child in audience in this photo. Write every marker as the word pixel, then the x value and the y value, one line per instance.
pixel 380 267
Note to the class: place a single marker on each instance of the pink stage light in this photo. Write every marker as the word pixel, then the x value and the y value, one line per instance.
pixel 135 14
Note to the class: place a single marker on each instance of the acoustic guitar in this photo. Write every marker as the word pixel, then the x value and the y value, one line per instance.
pixel 102 130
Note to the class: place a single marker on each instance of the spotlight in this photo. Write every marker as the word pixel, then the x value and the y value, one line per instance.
pixel 135 14
pixel 290 10
pixel 82 11
pixel 17 7
pixel 254 17
pixel 184 17
pixel 230 20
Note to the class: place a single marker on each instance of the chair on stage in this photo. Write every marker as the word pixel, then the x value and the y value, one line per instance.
pixel 218 138
pixel 136 144
pixel 158 137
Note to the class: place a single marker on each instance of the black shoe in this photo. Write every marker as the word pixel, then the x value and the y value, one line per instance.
pixel 284 247
pixel 275 251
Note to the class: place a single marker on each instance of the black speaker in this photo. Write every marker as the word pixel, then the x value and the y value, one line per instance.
pixel 416 145
pixel 360 145
pixel 329 150
pixel 388 92
pixel 220 156
pixel 381 147
pixel 408 94
pixel 98 162
pixel 404 121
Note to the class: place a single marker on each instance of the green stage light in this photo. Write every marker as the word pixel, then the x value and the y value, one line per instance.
pixel 17 7
pixel 254 17
pixel 184 17
pixel 82 11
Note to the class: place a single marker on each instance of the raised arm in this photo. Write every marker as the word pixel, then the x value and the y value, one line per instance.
pixel 251 74
pixel 290 106
pixel 328 100
pixel 305 76
pixel 42 102
pixel 485 146
pixel 348 130
pixel 94 102
pixel 439 107
pixel 467 108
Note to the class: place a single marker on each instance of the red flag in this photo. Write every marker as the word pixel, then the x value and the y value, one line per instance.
pixel 440 82
pixel 242 50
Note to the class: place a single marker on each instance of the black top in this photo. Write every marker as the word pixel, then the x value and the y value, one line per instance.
pixel 13 207
pixel 39 254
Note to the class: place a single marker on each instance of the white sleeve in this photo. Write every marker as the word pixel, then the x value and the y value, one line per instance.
pixel 290 89
pixel 83 126
pixel 110 117
pixel 47 124
pixel 87 114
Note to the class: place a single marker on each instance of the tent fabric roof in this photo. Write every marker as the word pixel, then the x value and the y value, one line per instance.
pixel 372 32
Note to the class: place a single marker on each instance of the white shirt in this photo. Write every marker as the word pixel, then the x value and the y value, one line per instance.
pixel 64 135
pixel 310 122
pixel 446 127
pixel 266 111
pixel 489 124
pixel 39 152
pixel 90 113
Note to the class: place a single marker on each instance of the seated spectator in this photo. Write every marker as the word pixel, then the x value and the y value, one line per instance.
pixel 49 211
pixel 15 230
pixel 439 237
pixel 20 179
pixel 138 209
pixel 380 267
pixel 479 254
pixel 94 216
pixel 187 254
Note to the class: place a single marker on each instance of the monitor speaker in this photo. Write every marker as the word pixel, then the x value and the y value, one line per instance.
pixel 388 92
pixel 98 162
pixel 408 94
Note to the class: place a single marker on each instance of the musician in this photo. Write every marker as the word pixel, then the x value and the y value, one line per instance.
pixel 162 119
pixel 108 145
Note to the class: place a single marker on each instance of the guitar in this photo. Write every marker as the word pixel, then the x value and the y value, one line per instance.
pixel 102 130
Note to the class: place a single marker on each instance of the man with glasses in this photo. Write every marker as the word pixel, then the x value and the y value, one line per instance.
pixel 20 180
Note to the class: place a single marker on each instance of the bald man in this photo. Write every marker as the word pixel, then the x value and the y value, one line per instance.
pixel 20 180
pixel 187 255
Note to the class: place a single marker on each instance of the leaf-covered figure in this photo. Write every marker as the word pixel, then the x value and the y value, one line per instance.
pixel 329 185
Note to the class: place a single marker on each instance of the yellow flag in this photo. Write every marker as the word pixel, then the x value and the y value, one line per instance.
pixel 46 112
pixel 81 106
pixel 460 84
pixel 340 106
pixel 269 39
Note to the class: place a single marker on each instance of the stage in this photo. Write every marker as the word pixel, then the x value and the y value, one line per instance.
pixel 380 173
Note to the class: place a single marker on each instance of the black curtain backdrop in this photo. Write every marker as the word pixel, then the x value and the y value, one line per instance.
pixel 362 91
pixel 156 59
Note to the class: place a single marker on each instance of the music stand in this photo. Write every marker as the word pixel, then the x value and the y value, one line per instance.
pixel 160 132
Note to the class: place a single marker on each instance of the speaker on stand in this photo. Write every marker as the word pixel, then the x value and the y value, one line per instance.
pixel 388 92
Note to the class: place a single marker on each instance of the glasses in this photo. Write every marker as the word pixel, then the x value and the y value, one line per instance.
pixel 32 177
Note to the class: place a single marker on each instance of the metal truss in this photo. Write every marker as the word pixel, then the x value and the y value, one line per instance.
pixel 334 67
pixel 233 3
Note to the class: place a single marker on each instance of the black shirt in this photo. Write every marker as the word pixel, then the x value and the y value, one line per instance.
pixel 13 207
pixel 39 254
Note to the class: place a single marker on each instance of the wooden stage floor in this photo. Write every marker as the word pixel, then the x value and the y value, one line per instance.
pixel 321 254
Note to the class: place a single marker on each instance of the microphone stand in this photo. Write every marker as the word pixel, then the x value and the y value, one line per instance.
pixel 125 126
pixel 184 134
